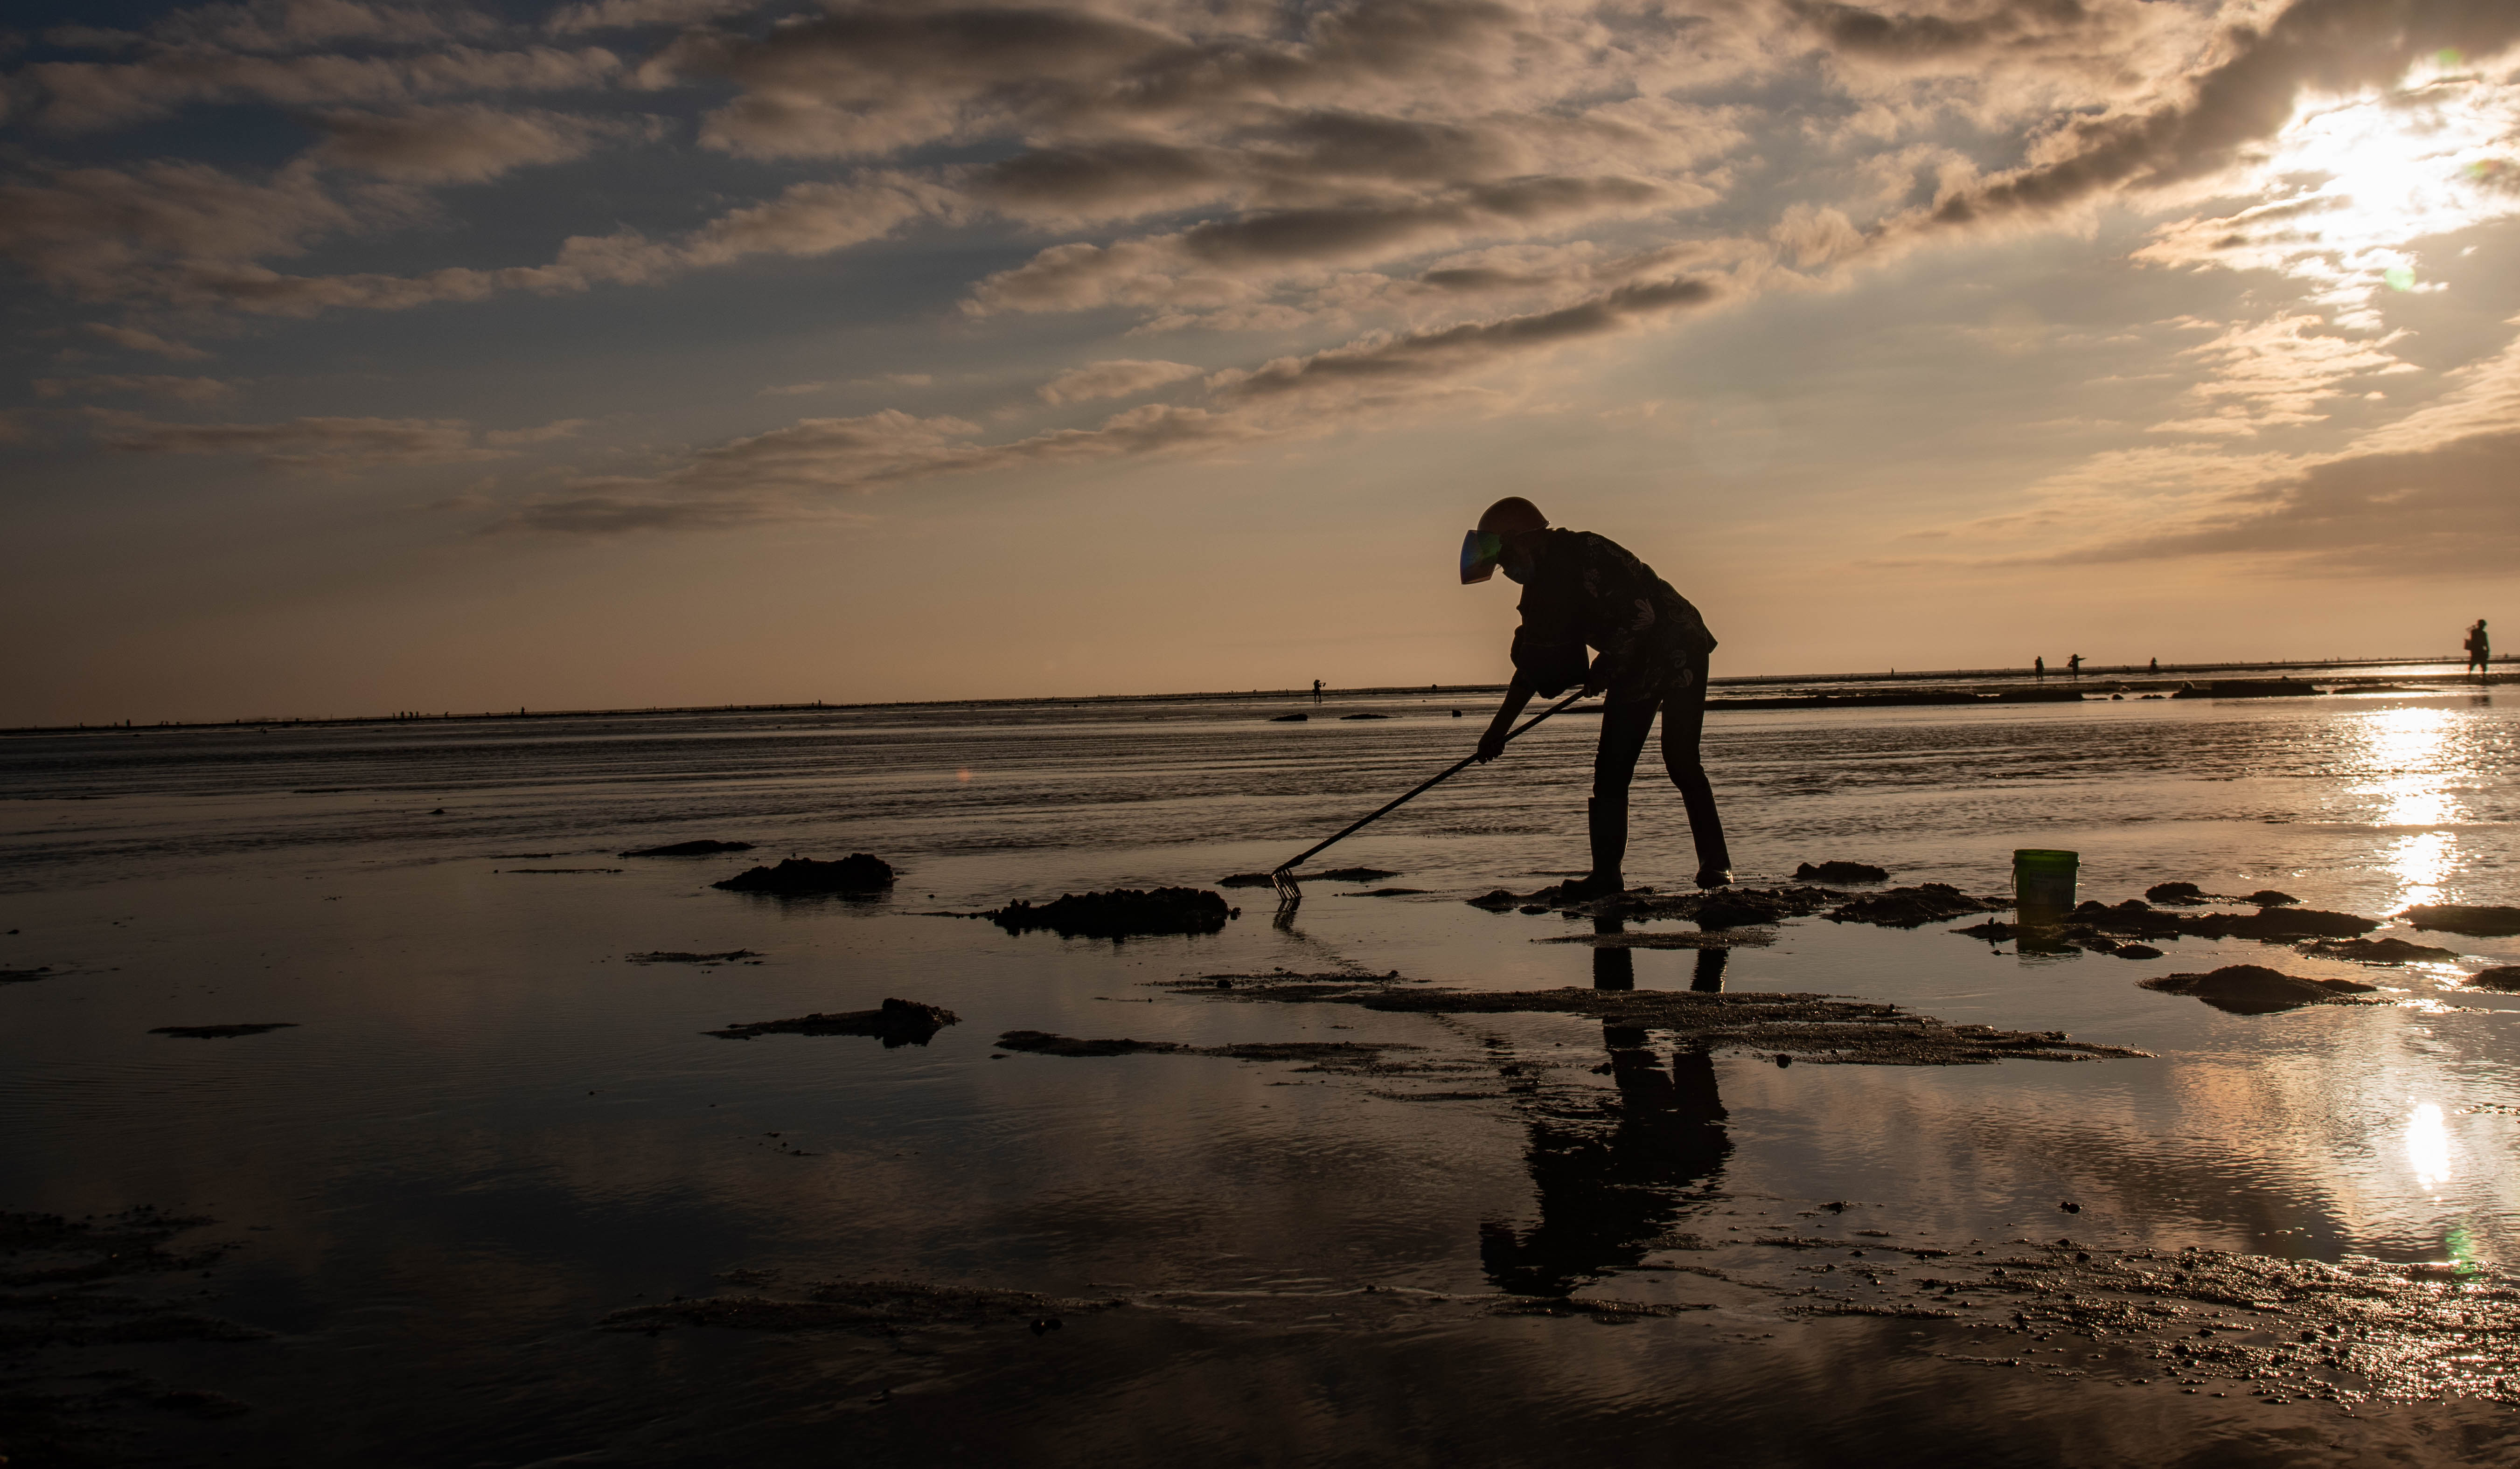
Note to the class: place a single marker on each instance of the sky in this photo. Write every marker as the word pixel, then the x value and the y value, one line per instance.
pixel 368 356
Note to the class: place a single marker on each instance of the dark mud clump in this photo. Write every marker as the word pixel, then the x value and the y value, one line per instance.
pixel 26 976
pixel 222 1032
pixel 2278 925
pixel 1915 907
pixel 900 1022
pixel 1351 875
pixel 1288 719
pixel 1247 879
pixel 2476 923
pixel 2183 894
pixel 1840 872
pixel 798 876
pixel 1814 1028
pixel 2266 896
pixel 680 956
pixel 2376 951
pixel 876 1307
pixel 1122 912
pixel 1389 892
pixel 2255 989
pixel 2505 979
pixel 701 848
pixel 1352 1056
pixel 1364 716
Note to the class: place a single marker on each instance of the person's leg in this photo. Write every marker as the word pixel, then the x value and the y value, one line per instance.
pixel 1683 720
pixel 1624 727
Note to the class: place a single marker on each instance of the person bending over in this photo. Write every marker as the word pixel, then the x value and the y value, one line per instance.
pixel 1579 591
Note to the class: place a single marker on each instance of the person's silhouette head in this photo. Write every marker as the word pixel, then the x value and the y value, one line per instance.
pixel 1505 536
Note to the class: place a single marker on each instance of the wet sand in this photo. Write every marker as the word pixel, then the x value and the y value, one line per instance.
pixel 1412 1186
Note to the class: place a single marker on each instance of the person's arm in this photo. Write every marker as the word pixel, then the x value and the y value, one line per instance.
pixel 1492 744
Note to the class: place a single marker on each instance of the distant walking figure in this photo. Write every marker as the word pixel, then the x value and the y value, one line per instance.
pixel 2074 665
pixel 2480 652
pixel 1582 589
pixel 2152 666
pixel 2039 667
pixel 1317 689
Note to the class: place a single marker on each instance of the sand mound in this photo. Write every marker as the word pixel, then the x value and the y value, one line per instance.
pixel 900 1022
pixel 857 873
pixel 2473 920
pixel 1122 912
pixel 701 848
pixel 1841 872
pixel 2255 989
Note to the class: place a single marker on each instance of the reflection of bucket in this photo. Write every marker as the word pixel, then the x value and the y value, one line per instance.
pixel 2043 886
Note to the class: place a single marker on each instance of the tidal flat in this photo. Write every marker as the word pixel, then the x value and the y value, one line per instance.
pixel 366 1095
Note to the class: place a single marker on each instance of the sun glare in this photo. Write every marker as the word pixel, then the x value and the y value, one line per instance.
pixel 2352 184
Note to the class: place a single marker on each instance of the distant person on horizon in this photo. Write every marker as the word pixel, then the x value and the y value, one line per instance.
pixel 1317 689
pixel 2074 665
pixel 1582 589
pixel 2152 666
pixel 2480 651
pixel 2039 666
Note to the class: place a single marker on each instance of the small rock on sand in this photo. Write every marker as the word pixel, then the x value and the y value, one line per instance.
pixel 701 848
pixel 221 1032
pixel 1288 719
pixel 1364 716
pixel 2376 951
pixel 679 957
pixel 2474 920
pixel 857 873
pixel 2182 893
pixel 1841 872
pixel 2255 989
pixel 900 1022
pixel 1122 912
pixel 1247 879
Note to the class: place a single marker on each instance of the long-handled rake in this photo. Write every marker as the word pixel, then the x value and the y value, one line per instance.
pixel 1282 877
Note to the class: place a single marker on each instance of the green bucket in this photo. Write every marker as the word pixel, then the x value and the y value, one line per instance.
pixel 2043 885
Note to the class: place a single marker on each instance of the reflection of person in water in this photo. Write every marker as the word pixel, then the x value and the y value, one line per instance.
pixel 1580 591
pixel 1610 1175
pixel 1606 1193
pixel 2480 652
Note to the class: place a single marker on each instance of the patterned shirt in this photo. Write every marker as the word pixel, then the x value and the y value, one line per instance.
pixel 1589 591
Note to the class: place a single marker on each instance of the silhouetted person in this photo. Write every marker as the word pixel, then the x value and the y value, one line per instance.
pixel 1581 591
pixel 2039 667
pixel 2480 652
pixel 2073 666
pixel 1317 689
pixel 2152 665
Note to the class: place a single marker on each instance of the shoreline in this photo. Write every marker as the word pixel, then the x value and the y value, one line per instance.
pixel 2053 685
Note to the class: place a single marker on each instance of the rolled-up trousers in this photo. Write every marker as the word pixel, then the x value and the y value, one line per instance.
pixel 1680 700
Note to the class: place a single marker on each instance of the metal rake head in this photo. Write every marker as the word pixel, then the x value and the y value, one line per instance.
pixel 1289 894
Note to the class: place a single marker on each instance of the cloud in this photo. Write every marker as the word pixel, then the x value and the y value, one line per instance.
pixel 74 97
pixel 180 389
pixel 103 233
pixel 556 428
pixel 461 144
pixel 1226 261
pixel 1120 378
pixel 193 236
pixel 2277 373
pixel 281 26
pixel 632 14
pixel 2335 47
pixel 1456 351
pixel 328 445
pixel 142 341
